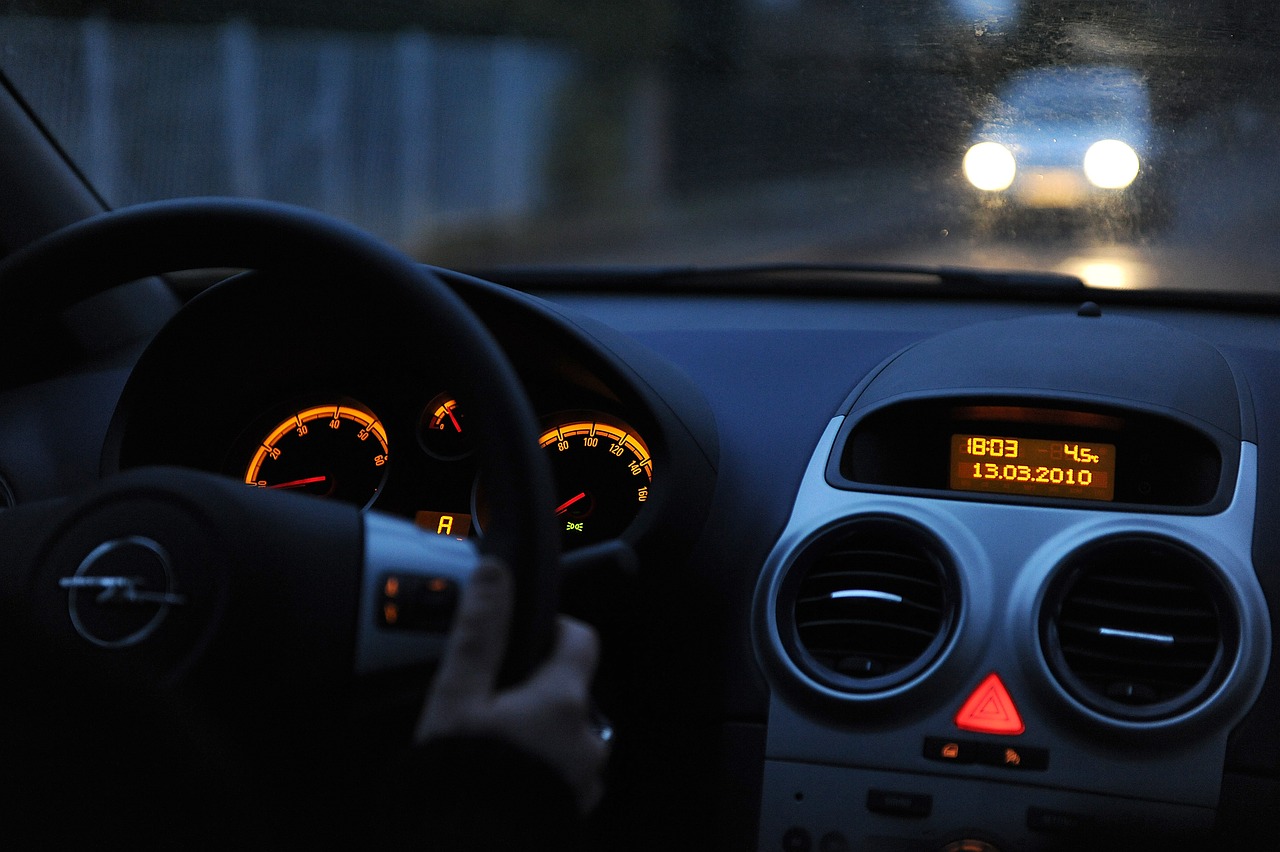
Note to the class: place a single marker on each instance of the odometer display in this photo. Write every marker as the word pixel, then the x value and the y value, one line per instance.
pixel 1035 467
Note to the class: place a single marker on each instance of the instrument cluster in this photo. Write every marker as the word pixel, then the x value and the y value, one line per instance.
pixel 421 465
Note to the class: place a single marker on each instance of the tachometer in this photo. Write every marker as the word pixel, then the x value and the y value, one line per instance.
pixel 337 450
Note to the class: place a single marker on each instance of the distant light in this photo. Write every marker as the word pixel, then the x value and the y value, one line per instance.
pixel 1119 269
pixel 990 166
pixel 1104 274
pixel 1110 164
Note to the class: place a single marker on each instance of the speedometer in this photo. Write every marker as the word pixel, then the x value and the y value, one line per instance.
pixel 603 474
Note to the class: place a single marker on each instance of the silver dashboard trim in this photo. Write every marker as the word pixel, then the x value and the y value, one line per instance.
pixel 1005 555
pixel 1158 638
pixel 866 593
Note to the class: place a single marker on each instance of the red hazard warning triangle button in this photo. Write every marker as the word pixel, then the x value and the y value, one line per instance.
pixel 990 710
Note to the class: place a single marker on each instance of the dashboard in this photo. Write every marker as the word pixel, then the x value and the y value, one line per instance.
pixel 963 575
pixel 911 653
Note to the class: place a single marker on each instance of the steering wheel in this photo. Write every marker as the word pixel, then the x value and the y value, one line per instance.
pixel 265 601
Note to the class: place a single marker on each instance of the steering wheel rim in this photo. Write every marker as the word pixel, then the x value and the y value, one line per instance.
pixel 166 236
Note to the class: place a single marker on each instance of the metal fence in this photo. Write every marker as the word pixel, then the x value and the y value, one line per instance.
pixel 401 132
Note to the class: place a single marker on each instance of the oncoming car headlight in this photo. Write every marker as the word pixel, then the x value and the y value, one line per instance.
pixel 1110 164
pixel 990 166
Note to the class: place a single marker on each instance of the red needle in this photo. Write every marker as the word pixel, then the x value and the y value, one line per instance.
pixel 298 483
pixel 564 507
pixel 456 425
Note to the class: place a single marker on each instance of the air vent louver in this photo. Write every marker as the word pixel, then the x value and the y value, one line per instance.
pixel 1138 628
pixel 870 604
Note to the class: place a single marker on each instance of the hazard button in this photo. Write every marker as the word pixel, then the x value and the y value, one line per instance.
pixel 990 710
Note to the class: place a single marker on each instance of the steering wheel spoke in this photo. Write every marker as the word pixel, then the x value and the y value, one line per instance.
pixel 409 592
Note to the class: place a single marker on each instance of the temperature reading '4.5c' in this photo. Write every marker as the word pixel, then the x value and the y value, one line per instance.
pixel 1079 454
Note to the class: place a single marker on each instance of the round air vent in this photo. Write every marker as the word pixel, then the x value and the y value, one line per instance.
pixel 868 605
pixel 1138 628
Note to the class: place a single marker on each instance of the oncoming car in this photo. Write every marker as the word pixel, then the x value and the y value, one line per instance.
pixel 1063 138
pixel 897 534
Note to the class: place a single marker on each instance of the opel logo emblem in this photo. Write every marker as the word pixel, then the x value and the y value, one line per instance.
pixel 121 592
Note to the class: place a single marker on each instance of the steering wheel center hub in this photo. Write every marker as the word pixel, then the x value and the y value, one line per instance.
pixel 121 592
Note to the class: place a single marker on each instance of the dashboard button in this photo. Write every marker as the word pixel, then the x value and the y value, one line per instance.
pixel 950 750
pixel 895 803
pixel 1003 755
pixel 989 709
pixel 1057 822
pixel 1013 757
pixel 416 603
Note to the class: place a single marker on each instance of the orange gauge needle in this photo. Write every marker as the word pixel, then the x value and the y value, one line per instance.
pixel 298 483
pixel 564 507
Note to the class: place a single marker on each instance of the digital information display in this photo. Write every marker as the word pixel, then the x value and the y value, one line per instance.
pixel 1034 467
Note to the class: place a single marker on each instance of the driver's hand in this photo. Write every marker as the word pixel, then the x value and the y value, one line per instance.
pixel 548 715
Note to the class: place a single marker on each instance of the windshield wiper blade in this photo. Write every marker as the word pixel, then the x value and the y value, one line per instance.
pixel 800 279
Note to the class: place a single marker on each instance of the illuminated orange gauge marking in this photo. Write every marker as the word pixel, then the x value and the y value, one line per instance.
pixel 442 428
pixel 603 477
pixel 618 442
pixel 335 450
pixel 443 417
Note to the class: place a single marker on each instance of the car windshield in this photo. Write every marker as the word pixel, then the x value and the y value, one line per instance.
pixel 1129 143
